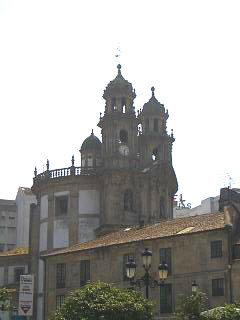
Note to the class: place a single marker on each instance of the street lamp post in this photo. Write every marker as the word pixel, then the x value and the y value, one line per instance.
pixel 146 280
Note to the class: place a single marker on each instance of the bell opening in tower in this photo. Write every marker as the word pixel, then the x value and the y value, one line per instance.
pixel 154 154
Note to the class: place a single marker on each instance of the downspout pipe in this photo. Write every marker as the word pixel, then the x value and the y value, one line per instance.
pixel 229 238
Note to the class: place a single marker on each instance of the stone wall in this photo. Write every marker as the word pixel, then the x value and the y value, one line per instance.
pixel 191 260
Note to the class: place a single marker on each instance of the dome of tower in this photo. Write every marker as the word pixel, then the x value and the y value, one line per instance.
pixel 153 106
pixel 119 84
pixel 91 143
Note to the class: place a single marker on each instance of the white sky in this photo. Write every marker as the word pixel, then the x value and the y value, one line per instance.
pixel 56 58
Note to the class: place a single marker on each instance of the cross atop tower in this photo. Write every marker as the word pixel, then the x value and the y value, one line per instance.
pixel 118 55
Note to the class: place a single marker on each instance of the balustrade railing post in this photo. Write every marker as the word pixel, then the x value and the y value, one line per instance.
pixel 72 169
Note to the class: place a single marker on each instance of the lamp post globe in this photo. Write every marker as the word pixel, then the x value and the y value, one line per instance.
pixel 131 268
pixel 147 258
pixel 163 271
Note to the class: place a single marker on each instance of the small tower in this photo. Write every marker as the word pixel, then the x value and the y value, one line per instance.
pixel 155 149
pixel 119 124
pixel 91 153
pixel 154 141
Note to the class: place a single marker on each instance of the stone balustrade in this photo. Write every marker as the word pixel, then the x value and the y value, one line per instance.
pixel 64 172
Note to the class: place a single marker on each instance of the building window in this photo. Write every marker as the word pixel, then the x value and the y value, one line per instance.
pixel 166 257
pixel 123 103
pixel 128 200
pixel 154 154
pixel 61 205
pixel 217 287
pixel 166 298
pixel 114 107
pixel 216 249
pixel 10 247
pixel 236 251
pixel 18 272
pixel 59 301
pixel 84 272
pixel 123 136
pixel 61 275
pixel 126 258
pixel 155 125
pixel 1 247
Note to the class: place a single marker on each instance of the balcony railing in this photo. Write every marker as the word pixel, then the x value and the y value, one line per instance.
pixel 64 172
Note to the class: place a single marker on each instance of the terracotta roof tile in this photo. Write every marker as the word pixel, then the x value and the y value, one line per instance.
pixel 14 252
pixel 174 227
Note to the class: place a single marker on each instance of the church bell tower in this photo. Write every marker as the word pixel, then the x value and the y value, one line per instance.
pixel 119 124
pixel 137 179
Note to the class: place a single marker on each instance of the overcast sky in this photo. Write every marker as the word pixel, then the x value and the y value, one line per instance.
pixel 56 58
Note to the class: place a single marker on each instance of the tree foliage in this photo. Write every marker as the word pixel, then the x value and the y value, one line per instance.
pixel 190 307
pixel 5 297
pixel 227 312
pixel 104 302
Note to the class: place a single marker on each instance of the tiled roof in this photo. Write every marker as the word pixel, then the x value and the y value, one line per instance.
pixel 14 252
pixel 174 227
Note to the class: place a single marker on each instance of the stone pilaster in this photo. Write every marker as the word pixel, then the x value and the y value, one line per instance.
pixel 50 230
pixel 73 217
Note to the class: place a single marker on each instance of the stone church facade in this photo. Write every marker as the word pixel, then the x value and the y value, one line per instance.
pixel 89 219
pixel 125 179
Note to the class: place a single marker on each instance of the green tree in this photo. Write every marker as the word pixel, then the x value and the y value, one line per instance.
pixel 5 297
pixel 103 301
pixel 190 307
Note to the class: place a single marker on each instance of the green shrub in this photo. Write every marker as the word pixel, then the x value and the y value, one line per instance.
pixel 227 312
pixel 103 301
pixel 190 307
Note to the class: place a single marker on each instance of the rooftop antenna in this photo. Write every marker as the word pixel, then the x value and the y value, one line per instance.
pixel 230 179
pixel 118 55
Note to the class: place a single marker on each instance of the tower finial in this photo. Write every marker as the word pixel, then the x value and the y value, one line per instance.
pixel 153 89
pixel 119 69
pixel 92 132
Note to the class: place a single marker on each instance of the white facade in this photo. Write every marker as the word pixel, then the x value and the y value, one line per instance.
pixel 209 205
pixel 8 221
pixel 24 199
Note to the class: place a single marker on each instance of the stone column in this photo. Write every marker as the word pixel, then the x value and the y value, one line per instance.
pixel 51 215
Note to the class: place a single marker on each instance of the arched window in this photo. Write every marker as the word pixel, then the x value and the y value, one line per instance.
pixel 155 125
pixel 147 125
pixel 90 161
pixel 123 104
pixel 154 154
pixel 114 107
pixel 139 129
pixel 128 200
pixel 162 207
pixel 123 136
pixel 83 162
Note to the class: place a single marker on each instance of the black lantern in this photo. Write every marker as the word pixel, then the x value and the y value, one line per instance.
pixel 147 259
pixel 163 271
pixel 131 268
pixel 194 287
pixel 146 280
